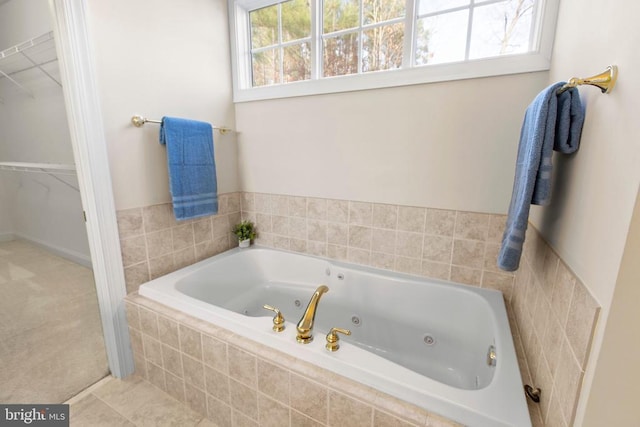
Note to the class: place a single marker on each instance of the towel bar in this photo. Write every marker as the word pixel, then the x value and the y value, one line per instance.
pixel 605 80
pixel 139 121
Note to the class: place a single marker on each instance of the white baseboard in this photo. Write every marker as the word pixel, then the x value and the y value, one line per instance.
pixel 73 256
pixel 7 237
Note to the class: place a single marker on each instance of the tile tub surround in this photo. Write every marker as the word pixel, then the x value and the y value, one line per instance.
pixel 435 243
pixel 236 382
pixel 556 317
pixel 153 243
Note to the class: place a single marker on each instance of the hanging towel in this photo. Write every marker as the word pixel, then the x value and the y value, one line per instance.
pixel 192 167
pixel 551 122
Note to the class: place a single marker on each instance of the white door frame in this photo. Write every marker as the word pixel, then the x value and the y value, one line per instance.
pixel 90 152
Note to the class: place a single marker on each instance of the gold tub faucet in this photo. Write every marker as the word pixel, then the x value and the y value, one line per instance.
pixel 305 325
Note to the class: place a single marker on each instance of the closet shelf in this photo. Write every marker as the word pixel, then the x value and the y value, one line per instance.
pixel 36 53
pixel 48 168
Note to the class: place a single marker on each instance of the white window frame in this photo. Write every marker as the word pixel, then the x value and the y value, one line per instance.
pixel 539 59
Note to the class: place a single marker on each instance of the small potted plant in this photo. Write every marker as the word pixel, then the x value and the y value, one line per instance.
pixel 245 232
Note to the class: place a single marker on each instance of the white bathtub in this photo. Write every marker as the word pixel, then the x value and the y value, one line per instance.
pixel 422 341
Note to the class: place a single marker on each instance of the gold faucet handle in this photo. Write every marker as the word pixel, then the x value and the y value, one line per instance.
pixel 278 319
pixel 332 338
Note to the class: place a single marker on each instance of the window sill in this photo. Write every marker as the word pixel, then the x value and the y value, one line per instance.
pixel 513 64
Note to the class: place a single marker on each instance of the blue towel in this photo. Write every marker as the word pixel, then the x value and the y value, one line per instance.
pixel 551 122
pixel 192 167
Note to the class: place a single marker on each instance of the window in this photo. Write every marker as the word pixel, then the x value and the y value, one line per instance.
pixel 301 47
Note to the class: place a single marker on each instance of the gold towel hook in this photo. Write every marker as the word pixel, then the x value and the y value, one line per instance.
pixel 605 80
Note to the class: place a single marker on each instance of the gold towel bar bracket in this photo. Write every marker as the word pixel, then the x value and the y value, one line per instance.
pixel 605 80
pixel 138 121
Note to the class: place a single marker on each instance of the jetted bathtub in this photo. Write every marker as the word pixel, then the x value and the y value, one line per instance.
pixel 427 342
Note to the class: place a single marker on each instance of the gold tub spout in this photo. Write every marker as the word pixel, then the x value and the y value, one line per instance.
pixel 305 325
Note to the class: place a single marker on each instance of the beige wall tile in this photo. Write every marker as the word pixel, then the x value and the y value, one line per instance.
pixel 204 250
pixel 130 222
pixel 168 332
pixel 135 337
pixel 468 253
pixel 263 223
pixel 190 342
pixel 217 384
pixel 175 386
pixel 159 243
pixel 382 260
pixel 359 237
pixel 182 236
pixel 317 230
pixel 152 349
pixel 359 256
pixel 437 248
pixel 383 240
pixel 172 361
pixel 552 342
pixel 317 248
pixel 243 399
pixel 133 315
pixel 337 252
pixel 242 367
pixel 298 245
pixel 568 381
pixel 202 231
pixel 298 207
pixel 220 226
pixel 300 420
pixel 193 372
pixel 581 322
pixel 247 202
pixel 262 203
pixel 347 412
pixel 338 211
pixel 214 353
pixel 279 205
pixel 273 381
pixel 317 208
pixel 272 413
pixel 408 265
pixel 281 242
pixel 337 233
pixel 381 419
pixel 148 322
pixel 195 399
pixel 360 213
pixel 497 224
pixel 385 216
pixel 280 225
pixel 310 398
pixel 134 250
pixel 411 219
pixel 472 226
pixel 440 222
pixel 161 266
pixel 157 217
pixel 549 270
pixel 218 411
pixel 465 275
pixel 241 420
pixel 184 257
pixel 409 244
pixel 502 282
pixel 491 258
pixel 136 275
pixel 155 375
pixel 436 270
pixel 298 228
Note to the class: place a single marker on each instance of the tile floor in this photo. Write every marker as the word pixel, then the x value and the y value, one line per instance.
pixel 131 402
pixel 51 342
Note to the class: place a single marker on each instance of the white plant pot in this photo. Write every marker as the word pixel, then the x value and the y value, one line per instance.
pixel 244 243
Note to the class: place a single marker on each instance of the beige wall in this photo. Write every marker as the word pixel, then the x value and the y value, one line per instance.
pixel 595 189
pixel 156 59
pixel 616 386
pixel 446 145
